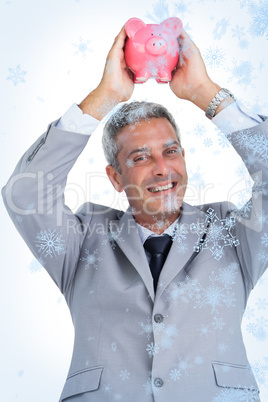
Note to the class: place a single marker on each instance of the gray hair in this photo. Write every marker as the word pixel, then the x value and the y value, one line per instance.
pixel 129 114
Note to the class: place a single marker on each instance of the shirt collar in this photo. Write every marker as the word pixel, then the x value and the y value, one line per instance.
pixel 144 232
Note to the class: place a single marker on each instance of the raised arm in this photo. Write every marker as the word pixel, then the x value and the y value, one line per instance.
pixel 116 85
pixel 190 80
pixel 250 139
pixel 34 194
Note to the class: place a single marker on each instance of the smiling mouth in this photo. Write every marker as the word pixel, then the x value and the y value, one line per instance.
pixel 162 188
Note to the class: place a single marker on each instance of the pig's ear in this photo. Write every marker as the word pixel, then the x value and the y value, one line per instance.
pixel 174 24
pixel 133 25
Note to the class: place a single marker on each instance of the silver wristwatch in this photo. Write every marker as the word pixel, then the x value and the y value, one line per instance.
pixel 222 94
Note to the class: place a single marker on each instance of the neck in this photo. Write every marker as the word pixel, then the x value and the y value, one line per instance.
pixel 157 224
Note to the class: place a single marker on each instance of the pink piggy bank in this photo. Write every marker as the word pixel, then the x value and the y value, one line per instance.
pixel 152 50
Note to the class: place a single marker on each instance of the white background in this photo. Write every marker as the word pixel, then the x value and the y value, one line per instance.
pixel 43 37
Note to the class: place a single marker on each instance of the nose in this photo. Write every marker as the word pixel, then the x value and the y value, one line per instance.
pixel 156 46
pixel 160 167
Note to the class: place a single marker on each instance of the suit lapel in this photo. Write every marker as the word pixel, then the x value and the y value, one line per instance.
pixel 130 243
pixel 190 232
pixel 191 229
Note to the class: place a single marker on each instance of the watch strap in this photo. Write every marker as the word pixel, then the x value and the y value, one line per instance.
pixel 212 107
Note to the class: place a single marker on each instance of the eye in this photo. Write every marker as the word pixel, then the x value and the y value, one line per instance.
pixel 140 158
pixel 173 151
pixel 152 34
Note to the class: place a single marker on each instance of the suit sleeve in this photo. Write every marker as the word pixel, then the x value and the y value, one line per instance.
pixel 34 198
pixel 252 219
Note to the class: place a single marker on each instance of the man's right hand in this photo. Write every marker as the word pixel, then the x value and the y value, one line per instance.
pixel 116 85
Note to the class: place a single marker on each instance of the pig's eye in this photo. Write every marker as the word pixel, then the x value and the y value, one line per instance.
pixel 152 34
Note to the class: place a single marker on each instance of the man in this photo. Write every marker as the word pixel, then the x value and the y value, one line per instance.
pixel 145 331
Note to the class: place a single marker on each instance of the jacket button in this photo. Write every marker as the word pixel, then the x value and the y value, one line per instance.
pixel 158 382
pixel 158 318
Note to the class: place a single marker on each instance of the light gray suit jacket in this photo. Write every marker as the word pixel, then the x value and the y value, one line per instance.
pixel 183 343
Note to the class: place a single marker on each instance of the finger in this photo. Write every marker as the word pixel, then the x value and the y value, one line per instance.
pixel 187 46
pixel 119 41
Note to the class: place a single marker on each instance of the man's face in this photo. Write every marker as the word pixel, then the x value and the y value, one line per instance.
pixel 153 171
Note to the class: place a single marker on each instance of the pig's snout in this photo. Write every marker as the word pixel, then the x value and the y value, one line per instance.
pixel 156 46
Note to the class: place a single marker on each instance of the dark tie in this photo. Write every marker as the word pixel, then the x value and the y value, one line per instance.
pixel 158 247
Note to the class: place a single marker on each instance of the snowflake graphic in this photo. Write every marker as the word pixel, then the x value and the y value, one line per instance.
pixel 208 142
pixel 172 203
pixel 204 330
pixel 107 389
pixel 227 275
pixel 199 130
pixel 237 395
pixel 168 335
pixel 238 32
pixel 144 150
pixel 220 28
pixel 260 370
pixel 243 44
pixel 95 196
pixel 242 138
pixel 82 47
pixel 160 12
pixel 259 25
pixel 124 375
pixel 218 234
pixel 196 177
pixel 107 107
pixel 152 349
pixel 114 346
pixel 262 256
pixel 222 138
pixel 214 56
pixel 182 7
pixel 243 72
pixel 149 386
pixel 264 240
pixel 261 304
pixel 218 323
pixel 249 313
pixel 146 328
pixel 50 243
pixel 175 374
pixel 162 62
pixel 184 290
pixel 258 329
pixel 130 163
pixel 198 360
pixel 151 67
pixel 258 146
pixel 215 295
pixel 16 75
pixel 222 348
pixel 183 364
pixel 113 237
pixel 36 265
pixel 91 259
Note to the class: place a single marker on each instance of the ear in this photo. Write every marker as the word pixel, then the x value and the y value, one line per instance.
pixel 115 178
pixel 173 24
pixel 133 25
